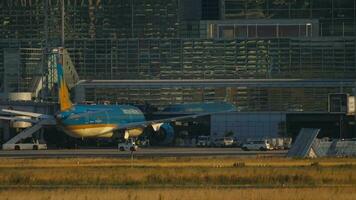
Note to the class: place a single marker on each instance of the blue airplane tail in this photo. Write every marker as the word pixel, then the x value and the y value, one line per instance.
pixel 63 91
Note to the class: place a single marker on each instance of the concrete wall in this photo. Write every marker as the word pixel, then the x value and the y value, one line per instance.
pixel 248 124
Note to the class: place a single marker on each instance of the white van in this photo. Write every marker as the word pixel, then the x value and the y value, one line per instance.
pixel 262 145
pixel 32 145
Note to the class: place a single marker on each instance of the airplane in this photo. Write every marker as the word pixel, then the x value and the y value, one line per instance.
pixel 103 121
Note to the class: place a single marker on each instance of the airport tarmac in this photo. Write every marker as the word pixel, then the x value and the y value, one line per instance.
pixel 142 152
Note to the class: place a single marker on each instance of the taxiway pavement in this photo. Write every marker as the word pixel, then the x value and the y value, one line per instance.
pixel 142 152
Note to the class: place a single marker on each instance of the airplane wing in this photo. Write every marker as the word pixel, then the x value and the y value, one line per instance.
pixel 28 114
pixel 15 119
pixel 6 118
pixel 158 121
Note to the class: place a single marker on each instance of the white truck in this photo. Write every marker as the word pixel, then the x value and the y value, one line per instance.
pixel 128 145
pixel 262 145
pixel 33 145
pixel 280 143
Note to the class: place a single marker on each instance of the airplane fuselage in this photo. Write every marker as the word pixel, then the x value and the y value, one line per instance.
pixel 98 120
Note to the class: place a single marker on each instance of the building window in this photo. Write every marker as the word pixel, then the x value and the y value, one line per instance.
pixel 241 31
pixel 288 31
pixel 233 31
pixel 267 31
pixel 252 31
pixel 227 32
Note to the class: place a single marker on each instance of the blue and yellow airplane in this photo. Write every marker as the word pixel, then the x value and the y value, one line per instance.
pixel 103 121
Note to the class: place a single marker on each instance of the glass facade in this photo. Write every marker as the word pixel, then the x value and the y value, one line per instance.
pixel 181 39
pixel 336 18
pixel 214 59
pixel 261 30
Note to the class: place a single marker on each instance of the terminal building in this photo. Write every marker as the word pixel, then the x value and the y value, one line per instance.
pixel 277 61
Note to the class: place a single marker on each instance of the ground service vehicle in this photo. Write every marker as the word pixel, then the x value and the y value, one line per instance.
pixel 223 142
pixel 237 142
pixel 127 146
pixel 262 145
pixel 31 145
pixel 203 141
pixel 143 142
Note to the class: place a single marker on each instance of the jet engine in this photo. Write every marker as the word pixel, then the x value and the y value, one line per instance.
pixel 134 132
pixel 163 134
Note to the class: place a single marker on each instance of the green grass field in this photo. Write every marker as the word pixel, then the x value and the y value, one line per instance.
pixel 167 178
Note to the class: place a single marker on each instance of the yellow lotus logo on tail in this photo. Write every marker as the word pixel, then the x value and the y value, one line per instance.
pixel 64 98
pixel 63 91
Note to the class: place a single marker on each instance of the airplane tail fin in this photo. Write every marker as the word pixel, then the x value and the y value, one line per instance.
pixel 63 91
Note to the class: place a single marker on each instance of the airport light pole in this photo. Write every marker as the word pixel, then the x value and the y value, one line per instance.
pixel 340 126
pixel 62 13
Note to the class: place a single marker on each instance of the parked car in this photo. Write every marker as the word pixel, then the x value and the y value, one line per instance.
pixel 128 145
pixel 223 142
pixel 261 145
pixel 203 141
